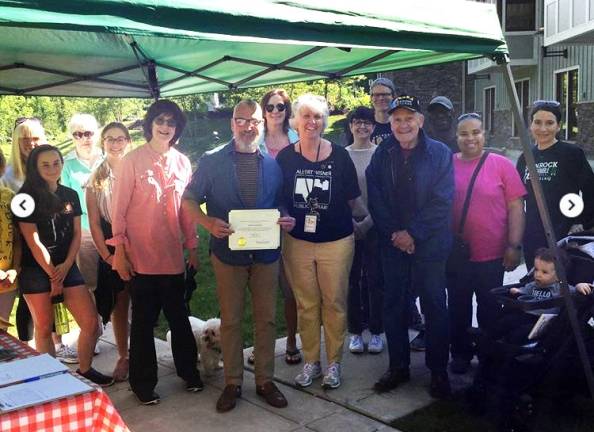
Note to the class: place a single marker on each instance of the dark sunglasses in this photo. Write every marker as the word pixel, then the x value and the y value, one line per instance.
pixel 159 121
pixel 546 103
pixel 86 134
pixel 467 116
pixel 279 106
pixel 22 120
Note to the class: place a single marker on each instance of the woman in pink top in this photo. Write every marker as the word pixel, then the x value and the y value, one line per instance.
pixel 493 230
pixel 149 235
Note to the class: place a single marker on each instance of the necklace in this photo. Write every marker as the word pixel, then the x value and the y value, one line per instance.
pixel 317 153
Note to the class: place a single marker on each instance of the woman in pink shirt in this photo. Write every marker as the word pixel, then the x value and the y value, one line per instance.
pixel 493 231
pixel 149 235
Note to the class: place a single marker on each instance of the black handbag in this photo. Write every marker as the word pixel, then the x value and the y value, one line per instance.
pixel 460 254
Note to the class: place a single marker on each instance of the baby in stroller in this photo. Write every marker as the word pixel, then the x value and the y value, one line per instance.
pixel 519 356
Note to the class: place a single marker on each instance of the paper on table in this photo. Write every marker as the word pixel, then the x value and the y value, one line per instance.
pixel 29 368
pixel 40 391
pixel 254 229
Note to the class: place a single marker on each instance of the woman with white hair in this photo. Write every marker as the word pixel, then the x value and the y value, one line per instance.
pixel 320 188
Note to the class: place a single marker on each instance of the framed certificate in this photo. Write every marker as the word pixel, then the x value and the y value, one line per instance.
pixel 254 229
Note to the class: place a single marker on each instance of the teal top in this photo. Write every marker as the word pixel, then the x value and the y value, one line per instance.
pixel 75 174
pixel 293 138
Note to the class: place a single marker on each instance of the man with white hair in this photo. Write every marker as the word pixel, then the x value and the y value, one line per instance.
pixel 410 183
pixel 231 177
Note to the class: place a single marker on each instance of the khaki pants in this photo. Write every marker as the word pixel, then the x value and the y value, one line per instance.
pixel 262 281
pixel 319 276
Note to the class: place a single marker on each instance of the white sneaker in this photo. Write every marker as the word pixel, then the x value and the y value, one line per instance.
pixel 356 344
pixel 376 344
pixel 310 372
pixel 332 378
pixel 66 354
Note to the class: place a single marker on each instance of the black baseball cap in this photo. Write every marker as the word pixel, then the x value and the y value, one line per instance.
pixel 410 103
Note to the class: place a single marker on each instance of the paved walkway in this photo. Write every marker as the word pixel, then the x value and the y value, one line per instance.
pixel 352 407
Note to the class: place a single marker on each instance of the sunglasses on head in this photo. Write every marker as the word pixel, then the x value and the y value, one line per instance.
pixel 21 120
pixel 546 103
pixel 279 106
pixel 467 116
pixel 86 134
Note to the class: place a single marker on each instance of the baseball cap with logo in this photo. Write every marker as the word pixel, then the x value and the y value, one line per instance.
pixel 443 101
pixel 410 103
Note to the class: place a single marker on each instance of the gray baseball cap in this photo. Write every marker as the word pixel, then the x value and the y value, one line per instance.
pixel 384 82
pixel 443 101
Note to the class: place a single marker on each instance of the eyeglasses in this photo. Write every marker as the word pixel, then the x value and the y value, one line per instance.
pixel 546 103
pixel 358 123
pixel 112 140
pixel 279 106
pixel 159 121
pixel 21 120
pixel 239 121
pixel 471 115
pixel 381 95
pixel 80 135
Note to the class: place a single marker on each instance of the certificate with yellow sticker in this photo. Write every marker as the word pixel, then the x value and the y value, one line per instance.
pixel 254 229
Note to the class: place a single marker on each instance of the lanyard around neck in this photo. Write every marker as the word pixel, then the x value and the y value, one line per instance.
pixel 317 154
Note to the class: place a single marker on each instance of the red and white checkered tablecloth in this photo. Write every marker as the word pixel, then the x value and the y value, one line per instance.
pixel 89 412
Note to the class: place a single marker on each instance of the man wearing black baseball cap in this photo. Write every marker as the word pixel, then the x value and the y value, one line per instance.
pixel 441 124
pixel 410 183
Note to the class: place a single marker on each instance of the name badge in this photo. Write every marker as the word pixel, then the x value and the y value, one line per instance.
pixel 310 224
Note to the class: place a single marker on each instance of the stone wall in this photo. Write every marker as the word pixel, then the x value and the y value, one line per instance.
pixel 585 138
pixel 502 130
pixel 430 81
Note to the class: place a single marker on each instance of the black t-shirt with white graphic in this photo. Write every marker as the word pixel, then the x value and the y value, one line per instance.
pixel 325 186
pixel 380 132
pixel 55 232
pixel 562 168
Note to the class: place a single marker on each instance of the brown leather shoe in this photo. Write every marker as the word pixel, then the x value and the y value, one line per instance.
pixel 271 394
pixel 228 398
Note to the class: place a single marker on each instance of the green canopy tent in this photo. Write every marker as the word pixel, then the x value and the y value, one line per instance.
pixel 153 48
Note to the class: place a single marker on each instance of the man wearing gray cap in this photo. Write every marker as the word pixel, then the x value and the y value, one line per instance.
pixel 382 93
pixel 410 186
pixel 440 122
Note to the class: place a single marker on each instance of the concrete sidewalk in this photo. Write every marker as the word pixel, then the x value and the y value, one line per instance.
pixel 352 407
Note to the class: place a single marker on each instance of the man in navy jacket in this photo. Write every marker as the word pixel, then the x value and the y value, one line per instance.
pixel 410 183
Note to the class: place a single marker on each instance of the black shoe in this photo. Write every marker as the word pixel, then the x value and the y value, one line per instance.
pixel 150 398
pixel 195 385
pixel 459 365
pixel 440 385
pixel 391 379
pixel 96 377
pixel 418 343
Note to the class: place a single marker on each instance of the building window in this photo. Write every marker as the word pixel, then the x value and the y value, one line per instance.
pixel 489 109
pixel 517 15
pixel 567 93
pixel 523 90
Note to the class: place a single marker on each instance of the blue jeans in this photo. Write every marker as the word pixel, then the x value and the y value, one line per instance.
pixel 429 281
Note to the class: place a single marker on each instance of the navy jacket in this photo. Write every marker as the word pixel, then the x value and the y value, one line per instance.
pixel 215 182
pixel 434 192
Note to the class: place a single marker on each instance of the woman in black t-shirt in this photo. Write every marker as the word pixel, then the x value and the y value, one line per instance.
pixel 320 187
pixel 52 239
pixel 562 169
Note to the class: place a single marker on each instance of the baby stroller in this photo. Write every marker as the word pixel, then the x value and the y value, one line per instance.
pixel 513 375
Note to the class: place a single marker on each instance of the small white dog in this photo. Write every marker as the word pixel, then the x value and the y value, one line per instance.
pixel 208 342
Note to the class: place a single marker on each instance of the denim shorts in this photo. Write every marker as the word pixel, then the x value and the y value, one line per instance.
pixel 34 280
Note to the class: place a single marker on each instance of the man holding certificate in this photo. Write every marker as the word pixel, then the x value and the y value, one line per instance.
pixel 241 189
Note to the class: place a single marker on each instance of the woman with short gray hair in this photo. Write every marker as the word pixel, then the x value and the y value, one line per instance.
pixel 320 187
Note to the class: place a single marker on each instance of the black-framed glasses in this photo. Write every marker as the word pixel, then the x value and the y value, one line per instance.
pixel 358 123
pixel 471 115
pixel 112 140
pixel 22 120
pixel 240 121
pixel 279 106
pixel 546 103
pixel 160 121
pixel 381 95
pixel 80 135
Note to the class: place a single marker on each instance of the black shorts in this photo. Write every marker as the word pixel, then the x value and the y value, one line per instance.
pixel 33 280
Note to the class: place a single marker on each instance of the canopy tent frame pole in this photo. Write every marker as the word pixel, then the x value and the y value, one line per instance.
pixel 546 220
pixel 151 69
